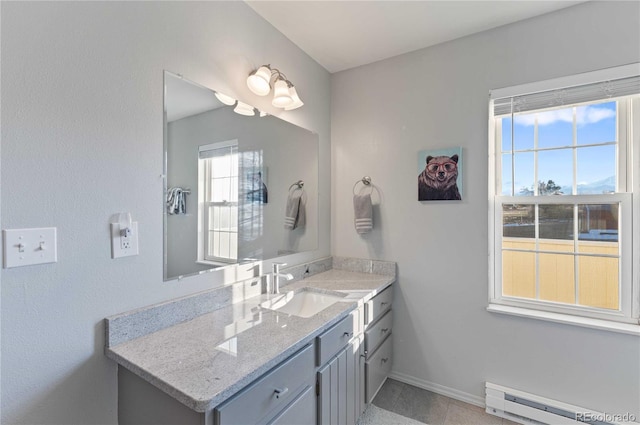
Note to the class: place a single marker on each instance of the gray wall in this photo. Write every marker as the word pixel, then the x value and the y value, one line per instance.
pixel 82 140
pixel 276 141
pixel 381 116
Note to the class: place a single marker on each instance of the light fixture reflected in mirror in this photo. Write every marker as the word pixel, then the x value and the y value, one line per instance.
pixel 244 109
pixel 284 93
pixel 227 100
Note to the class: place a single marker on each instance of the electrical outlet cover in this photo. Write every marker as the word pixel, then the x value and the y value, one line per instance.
pixel 120 248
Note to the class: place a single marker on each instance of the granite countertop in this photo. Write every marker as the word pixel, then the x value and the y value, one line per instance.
pixel 204 361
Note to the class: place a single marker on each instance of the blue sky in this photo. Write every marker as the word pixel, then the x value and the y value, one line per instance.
pixel 595 124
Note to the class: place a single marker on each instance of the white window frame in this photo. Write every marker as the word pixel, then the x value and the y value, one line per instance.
pixel 627 197
pixel 204 204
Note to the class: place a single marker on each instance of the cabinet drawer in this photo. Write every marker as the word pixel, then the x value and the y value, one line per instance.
pixel 378 332
pixel 329 343
pixel 300 411
pixel 377 368
pixel 262 398
pixel 378 305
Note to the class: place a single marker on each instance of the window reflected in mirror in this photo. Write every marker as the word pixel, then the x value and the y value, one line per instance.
pixel 227 179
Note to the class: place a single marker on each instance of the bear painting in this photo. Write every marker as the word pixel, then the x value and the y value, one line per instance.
pixel 438 180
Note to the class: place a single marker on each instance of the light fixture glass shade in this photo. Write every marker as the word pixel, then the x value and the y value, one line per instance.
pixel 281 95
pixel 297 102
pixel 244 109
pixel 227 100
pixel 258 81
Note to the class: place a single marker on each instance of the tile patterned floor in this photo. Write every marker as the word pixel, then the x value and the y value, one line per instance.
pixel 431 408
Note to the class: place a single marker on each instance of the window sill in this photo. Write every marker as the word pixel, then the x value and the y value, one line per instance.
pixel 585 322
pixel 213 263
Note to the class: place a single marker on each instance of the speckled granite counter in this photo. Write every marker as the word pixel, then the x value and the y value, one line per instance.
pixel 203 361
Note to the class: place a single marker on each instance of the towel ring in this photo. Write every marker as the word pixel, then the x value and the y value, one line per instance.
pixel 299 183
pixel 366 180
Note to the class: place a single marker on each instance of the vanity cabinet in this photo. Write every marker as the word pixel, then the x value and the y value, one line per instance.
pixel 329 380
pixel 285 396
pixel 282 396
pixel 340 377
pixel 378 319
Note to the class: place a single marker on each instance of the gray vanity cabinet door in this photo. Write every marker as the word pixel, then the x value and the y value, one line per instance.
pixel 332 381
pixel 323 386
pixel 355 379
pixel 341 386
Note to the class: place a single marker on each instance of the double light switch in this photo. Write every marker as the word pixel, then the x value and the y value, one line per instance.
pixel 25 247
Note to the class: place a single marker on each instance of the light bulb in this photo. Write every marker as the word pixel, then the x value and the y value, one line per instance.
pixel 258 81
pixel 281 96
pixel 297 102
pixel 244 109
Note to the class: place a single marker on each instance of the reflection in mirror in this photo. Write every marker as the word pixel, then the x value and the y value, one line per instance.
pixel 229 172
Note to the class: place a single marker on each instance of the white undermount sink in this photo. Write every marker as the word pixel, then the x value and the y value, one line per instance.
pixel 304 303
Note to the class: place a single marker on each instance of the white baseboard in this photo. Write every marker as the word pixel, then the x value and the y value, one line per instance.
pixel 439 389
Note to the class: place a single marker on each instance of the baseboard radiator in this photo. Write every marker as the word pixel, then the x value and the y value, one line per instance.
pixel 529 409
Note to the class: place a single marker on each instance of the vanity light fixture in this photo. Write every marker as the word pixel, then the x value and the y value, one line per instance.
pixel 284 93
pixel 244 109
pixel 227 100
pixel 241 108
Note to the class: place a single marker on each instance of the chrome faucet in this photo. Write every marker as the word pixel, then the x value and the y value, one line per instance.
pixel 277 275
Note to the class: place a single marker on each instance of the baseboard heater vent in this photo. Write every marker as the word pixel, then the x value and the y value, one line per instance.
pixel 530 409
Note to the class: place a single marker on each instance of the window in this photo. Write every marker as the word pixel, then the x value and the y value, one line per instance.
pixel 561 195
pixel 218 203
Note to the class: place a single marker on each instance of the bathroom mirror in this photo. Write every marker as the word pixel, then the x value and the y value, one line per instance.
pixel 230 174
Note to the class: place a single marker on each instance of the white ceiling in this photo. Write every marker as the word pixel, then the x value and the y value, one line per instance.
pixel 344 34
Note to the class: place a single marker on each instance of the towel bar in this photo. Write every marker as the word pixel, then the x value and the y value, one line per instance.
pixel 366 180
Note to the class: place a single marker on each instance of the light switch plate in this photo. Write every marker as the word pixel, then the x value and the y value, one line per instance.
pixel 26 247
pixel 119 249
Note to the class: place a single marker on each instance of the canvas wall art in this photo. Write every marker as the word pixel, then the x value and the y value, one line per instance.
pixel 440 174
pixel 256 182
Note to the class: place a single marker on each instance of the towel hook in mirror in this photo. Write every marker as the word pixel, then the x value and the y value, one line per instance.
pixel 366 180
pixel 299 184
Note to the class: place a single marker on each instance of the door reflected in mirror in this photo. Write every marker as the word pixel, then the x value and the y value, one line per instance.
pixel 227 182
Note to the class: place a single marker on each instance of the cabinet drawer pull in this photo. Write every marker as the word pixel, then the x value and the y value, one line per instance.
pixel 384 359
pixel 383 303
pixel 348 334
pixel 280 391
pixel 383 330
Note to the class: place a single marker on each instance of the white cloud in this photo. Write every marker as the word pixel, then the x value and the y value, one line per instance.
pixel 584 115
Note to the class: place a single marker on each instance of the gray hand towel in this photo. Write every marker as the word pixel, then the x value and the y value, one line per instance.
pixel 295 214
pixel 176 203
pixel 363 213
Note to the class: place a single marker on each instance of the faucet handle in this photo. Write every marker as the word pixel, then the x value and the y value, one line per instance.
pixel 276 267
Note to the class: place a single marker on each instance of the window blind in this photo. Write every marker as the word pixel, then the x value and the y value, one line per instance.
pixel 567 96
pixel 211 152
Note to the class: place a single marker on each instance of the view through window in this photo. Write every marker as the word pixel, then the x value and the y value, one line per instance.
pixel 561 200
